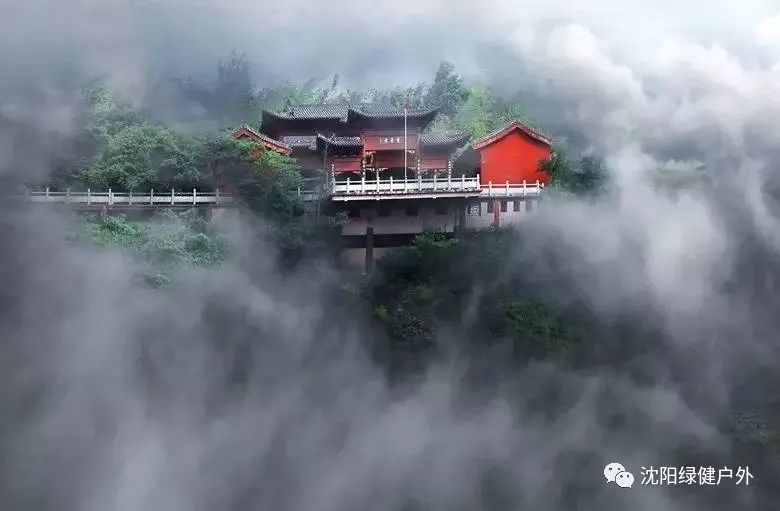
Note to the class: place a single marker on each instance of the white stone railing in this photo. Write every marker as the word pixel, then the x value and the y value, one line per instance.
pixel 111 198
pixel 405 186
pixel 507 189
pixel 469 186
pixel 443 185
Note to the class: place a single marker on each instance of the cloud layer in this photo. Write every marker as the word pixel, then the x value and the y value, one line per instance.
pixel 237 389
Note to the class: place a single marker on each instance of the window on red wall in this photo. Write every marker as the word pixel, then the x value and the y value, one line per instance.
pixel 490 206
pixel 503 206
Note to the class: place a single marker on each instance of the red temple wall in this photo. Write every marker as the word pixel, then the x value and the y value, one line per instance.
pixel 309 161
pixel 347 163
pixel 393 159
pixel 513 158
pixel 434 161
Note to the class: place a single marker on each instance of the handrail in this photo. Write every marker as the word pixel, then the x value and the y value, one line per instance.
pixel 444 184
pixel 111 198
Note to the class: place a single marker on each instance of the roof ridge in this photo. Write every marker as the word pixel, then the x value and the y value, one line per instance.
pixel 516 122
pixel 261 135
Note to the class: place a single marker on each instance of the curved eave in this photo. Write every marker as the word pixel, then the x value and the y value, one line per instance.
pixel 338 144
pixel 274 122
pixel 449 143
pixel 265 140
pixel 423 117
pixel 269 114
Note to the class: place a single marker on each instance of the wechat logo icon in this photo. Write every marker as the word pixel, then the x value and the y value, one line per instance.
pixel 617 473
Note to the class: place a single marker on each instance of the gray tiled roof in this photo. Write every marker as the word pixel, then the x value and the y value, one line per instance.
pixel 342 111
pixel 342 141
pixel 318 111
pixel 380 110
pixel 443 139
pixel 301 141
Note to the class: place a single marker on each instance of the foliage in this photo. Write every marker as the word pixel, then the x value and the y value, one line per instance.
pixel 103 116
pixel 168 242
pixel 589 176
pixel 447 91
pixel 534 328
pixel 267 186
pixel 141 157
pixel 233 92
pixel 221 158
pixel 484 112
pixel 116 231
pixel 418 289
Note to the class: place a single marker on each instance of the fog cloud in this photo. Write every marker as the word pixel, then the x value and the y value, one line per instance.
pixel 238 388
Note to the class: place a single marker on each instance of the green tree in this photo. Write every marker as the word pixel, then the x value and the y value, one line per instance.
pixel 267 187
pixel 233 92
pixel 447 91
pixel 221 158
pixel 142 157
pixel 588 176
pixel 483 112
pixel 102 115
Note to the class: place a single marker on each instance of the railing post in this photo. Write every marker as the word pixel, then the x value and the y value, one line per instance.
pixel 26 194
pixel 151 196
pixel 299 191
pixel 490 188
pixel 89 196
pixel 219 199
pixel 194 196
pixel 525 188
pixel 449 180
pixel 47 194
pixel 363 184
pixel 406 183
pixel 67 195
pixel 507 188
pixel 463 182
pixel 334 184
pixel 172 195
pixel 391 184
pixel 419 182
pixel 377 181
pixel 434 180
pixel 130 197
pixel 110 197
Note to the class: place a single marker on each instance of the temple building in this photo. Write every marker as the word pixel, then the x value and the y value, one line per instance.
pixel 363 141
pixel 394 180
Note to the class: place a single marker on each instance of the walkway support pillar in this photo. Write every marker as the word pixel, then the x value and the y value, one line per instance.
pixel 369 249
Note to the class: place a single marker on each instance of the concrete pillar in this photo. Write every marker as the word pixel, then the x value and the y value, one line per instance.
pixel 460 220
pixel 369 249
